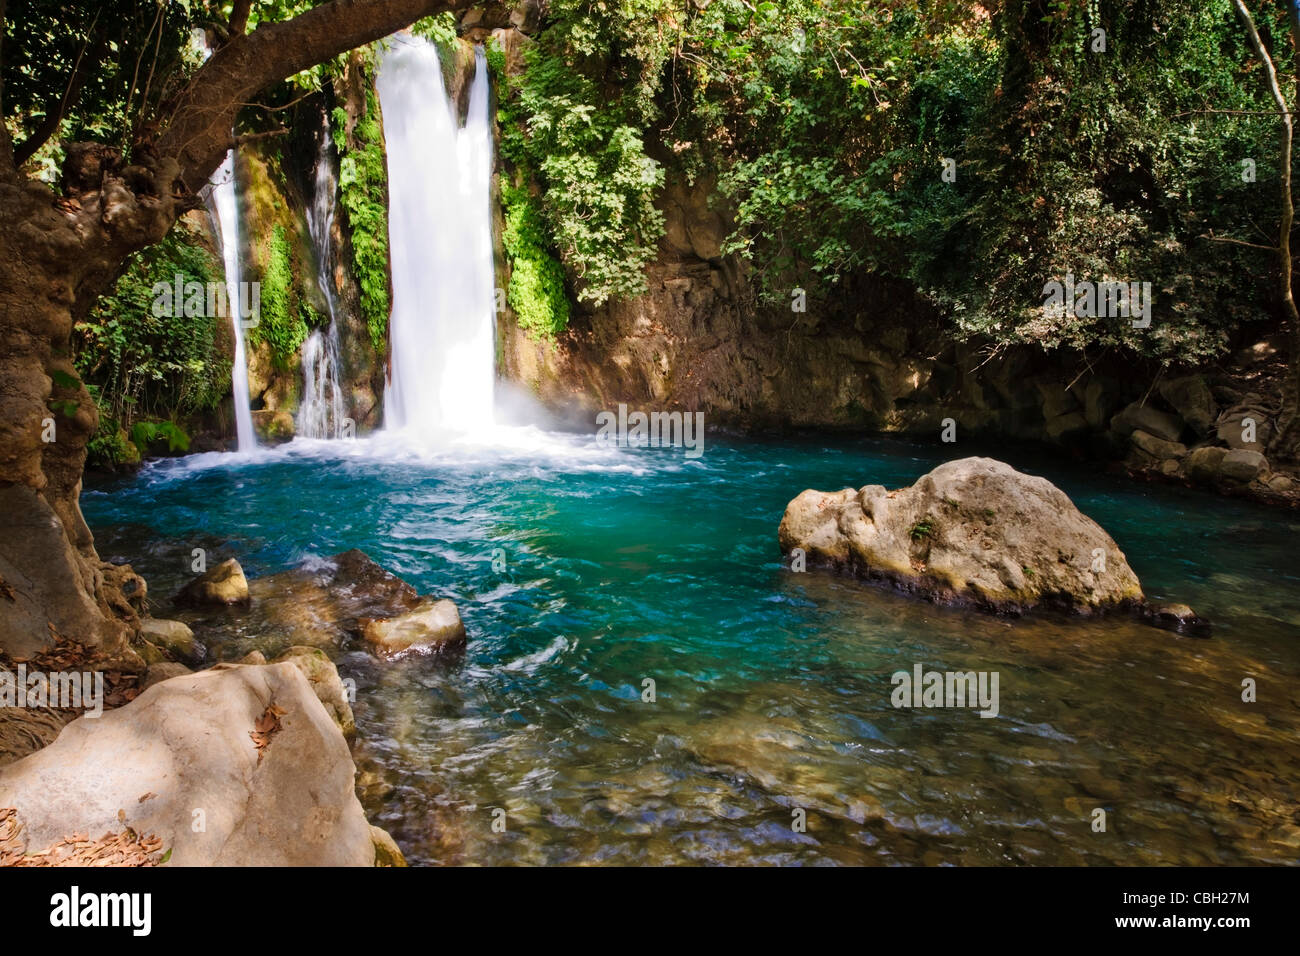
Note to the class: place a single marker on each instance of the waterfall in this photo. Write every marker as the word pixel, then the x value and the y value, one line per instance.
pixel 223 207
pixel 440 234
pixel 320 414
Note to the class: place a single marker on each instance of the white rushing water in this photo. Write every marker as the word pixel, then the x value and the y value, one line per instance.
pixel 223 206
pixel 321 412
pixel 440 236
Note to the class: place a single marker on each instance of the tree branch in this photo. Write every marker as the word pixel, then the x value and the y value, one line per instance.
pixel 198 130
pixel 239 17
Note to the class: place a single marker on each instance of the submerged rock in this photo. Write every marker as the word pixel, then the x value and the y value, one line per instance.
pixel 223 585
pixel 973 531
pixel 186 750
pixel 1176 617
pixel 435 626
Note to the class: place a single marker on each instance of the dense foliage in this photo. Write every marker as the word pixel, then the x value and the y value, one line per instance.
pixel 285 316
pixel 150 362
pixel 826 124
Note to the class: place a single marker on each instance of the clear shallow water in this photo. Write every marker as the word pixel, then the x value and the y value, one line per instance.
pixel 773 688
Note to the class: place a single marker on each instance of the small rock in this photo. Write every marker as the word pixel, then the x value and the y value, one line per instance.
pixel 432 627
pixel 1175 617
pixel 1242 465
pixel 223 585
pixel 1280 483
pixel 1203 463
pixel 174 637
pixel 387 852
pixel 252 657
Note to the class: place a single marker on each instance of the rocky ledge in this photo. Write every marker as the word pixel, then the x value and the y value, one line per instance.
pixel 974 532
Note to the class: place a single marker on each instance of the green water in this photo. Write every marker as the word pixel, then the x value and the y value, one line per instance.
pixel 772 688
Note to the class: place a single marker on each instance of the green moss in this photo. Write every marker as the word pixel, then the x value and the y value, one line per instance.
pixel 363 193
pixel 536 291
pixel 922 529
pixel 283 320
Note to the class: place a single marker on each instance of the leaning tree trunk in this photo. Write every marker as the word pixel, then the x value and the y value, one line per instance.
pixel 58 253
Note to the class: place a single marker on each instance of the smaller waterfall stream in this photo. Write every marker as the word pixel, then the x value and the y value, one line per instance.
pixel 440 233
pixel 223 206
pixel 321 412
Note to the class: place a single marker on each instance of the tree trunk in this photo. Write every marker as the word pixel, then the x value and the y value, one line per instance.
pixel 58 254
pixel 1286 442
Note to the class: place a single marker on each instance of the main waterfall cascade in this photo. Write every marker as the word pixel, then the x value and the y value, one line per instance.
pixel 223 207
pixel 321 412
pixel 440 235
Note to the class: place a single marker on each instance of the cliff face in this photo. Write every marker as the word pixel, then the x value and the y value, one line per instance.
pixel 873 357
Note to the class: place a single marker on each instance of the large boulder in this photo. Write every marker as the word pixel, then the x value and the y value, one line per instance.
pixel 222 585
pixel 973 531
pixel 234 766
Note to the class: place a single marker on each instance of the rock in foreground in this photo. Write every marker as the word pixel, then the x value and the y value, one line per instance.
pixel 182 763
pixel 973 531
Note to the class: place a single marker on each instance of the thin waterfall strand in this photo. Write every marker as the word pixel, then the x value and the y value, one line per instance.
pixel 223 206
pixel 321 412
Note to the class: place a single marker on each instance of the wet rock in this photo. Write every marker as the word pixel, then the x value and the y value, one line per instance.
pixel 972 531
pixel 1148 419
pixel 223 585
pixel 433 627
pixel 1242 465
pixel 325 682
pixel 1175 617
pixel 173 637
pixel 322 604
pixel 387 852
pixel 187 744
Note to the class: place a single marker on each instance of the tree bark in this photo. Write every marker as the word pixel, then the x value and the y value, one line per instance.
pixel 57 255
